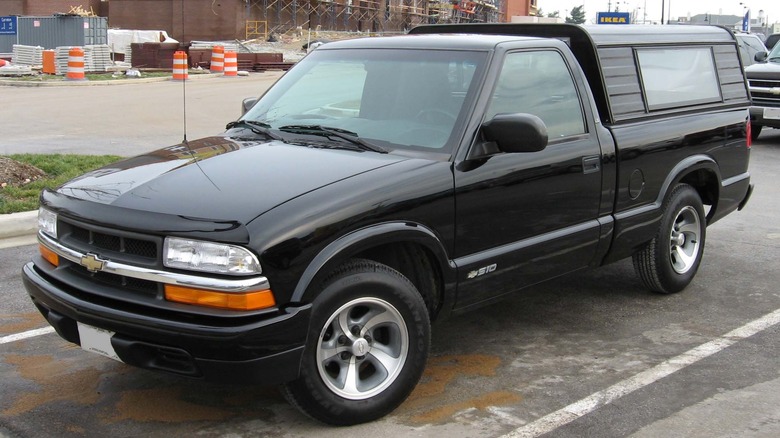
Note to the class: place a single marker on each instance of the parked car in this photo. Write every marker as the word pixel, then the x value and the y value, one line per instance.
pixel 749 46
pixel 764 82
pixel 384 183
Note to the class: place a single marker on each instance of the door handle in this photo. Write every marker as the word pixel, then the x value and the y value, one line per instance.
pixel 591 164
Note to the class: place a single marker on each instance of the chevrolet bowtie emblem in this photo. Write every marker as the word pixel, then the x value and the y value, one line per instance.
pixel 93 263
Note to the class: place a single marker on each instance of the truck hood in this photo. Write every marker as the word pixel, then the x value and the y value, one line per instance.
pixel 768 70
pixel 220 178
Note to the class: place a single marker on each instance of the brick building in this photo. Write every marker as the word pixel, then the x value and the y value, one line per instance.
pixel 188 20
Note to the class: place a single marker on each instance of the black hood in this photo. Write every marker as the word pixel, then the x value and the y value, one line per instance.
pixel 220 178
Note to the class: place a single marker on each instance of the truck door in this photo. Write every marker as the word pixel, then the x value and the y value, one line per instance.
pixel 525 217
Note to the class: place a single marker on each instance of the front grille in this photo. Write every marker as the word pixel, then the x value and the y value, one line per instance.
pixel 116 245
pixel 145 287
pixel 124 246
pixel 764 98
pixel 763 83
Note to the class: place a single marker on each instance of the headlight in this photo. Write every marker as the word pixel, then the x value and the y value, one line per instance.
pixel 197 255
pixel 47 222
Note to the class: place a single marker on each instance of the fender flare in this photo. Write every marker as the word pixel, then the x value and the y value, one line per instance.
pixel 684 167
pixel 678 172
pixel 364 238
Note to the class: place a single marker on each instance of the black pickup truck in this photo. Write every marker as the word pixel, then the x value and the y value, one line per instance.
pixel 384 183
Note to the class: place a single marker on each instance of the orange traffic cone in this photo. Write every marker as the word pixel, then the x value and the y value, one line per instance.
pixel 231 64
pixel 180 66
pixel 217 59
pixel 75 65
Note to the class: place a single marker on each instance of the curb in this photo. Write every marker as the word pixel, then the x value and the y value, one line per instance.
pixel 18 229
pixel 64 83
pixel 18 224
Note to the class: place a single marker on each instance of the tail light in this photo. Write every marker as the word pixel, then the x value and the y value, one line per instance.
pixel 749 133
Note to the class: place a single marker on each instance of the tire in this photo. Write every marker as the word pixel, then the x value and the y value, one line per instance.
pixel 367 346
pixel 755 131
pixel 668 263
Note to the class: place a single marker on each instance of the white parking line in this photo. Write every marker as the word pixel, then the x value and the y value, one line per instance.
pixel 27 334
pixel 598 399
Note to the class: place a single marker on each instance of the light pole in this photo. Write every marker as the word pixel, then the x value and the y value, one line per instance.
pixel 663 11
pixel 745 17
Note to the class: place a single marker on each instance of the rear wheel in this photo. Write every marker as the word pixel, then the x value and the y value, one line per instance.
pixel 668 263
pixel 367 346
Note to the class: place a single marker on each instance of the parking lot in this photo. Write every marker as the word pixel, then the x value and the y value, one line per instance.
pixel 592 354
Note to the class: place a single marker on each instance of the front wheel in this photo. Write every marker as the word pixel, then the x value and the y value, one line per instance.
pixel 755 131
pixel 668 263
pixel 367 346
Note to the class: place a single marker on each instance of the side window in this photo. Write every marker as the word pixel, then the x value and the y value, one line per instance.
pixel 539 83
pixel 677 77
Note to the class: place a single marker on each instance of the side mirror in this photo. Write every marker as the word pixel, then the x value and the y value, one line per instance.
pixel 516 132
pixel 247 104
pixel 761 56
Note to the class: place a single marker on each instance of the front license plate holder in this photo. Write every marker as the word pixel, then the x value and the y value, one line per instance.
pixel 772 113
pixel 97 340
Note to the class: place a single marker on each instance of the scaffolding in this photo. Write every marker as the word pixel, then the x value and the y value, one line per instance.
pixel 377 16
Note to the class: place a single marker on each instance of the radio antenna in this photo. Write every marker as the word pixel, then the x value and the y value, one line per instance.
pixel 184 84
pixel 184 109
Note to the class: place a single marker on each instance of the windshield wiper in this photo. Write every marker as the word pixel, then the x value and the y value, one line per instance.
pixel 330 132
pixel 254 126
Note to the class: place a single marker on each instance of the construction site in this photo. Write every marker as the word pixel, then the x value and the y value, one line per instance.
pixel 280 16
pixel 187 20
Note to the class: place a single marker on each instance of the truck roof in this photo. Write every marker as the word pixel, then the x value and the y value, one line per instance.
pixel 597 35
pixel 606 55
pixel 451 41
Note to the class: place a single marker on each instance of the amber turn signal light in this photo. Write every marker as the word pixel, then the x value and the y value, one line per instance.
pixel 49 255
pixel 232 301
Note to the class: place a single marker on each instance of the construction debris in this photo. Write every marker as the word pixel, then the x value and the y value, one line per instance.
pixel 27 55
pixel 79 10
pixel 17 70
pixel 15 173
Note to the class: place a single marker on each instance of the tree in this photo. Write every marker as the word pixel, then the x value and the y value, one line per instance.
pixel 577 15
pixel 555 14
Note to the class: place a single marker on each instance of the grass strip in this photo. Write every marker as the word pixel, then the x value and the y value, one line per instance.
pixel 59 169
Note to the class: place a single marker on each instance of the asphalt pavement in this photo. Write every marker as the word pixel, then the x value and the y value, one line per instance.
pixel 588 355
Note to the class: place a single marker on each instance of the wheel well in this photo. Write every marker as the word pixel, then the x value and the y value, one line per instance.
pixel 706 183
pixel 417 264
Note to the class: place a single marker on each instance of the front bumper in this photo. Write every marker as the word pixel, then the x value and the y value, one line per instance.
pixel 258 349
pixel 757 117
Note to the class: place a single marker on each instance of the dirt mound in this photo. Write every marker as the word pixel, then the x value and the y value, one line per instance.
pixel 14 173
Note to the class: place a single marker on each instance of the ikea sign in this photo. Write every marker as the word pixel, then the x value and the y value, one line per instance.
pixel 614 18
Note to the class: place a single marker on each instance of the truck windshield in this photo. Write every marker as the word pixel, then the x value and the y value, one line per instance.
pixel 774 55
pixel 396 99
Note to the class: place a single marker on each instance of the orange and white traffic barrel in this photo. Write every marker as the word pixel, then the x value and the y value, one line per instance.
pixel 180 66
pixel 217 59
pixel 231 64
pixel 180 71
pixel 75 65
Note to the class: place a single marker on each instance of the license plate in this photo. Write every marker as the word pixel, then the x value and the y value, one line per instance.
pixel 97 340
pixel 772 113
